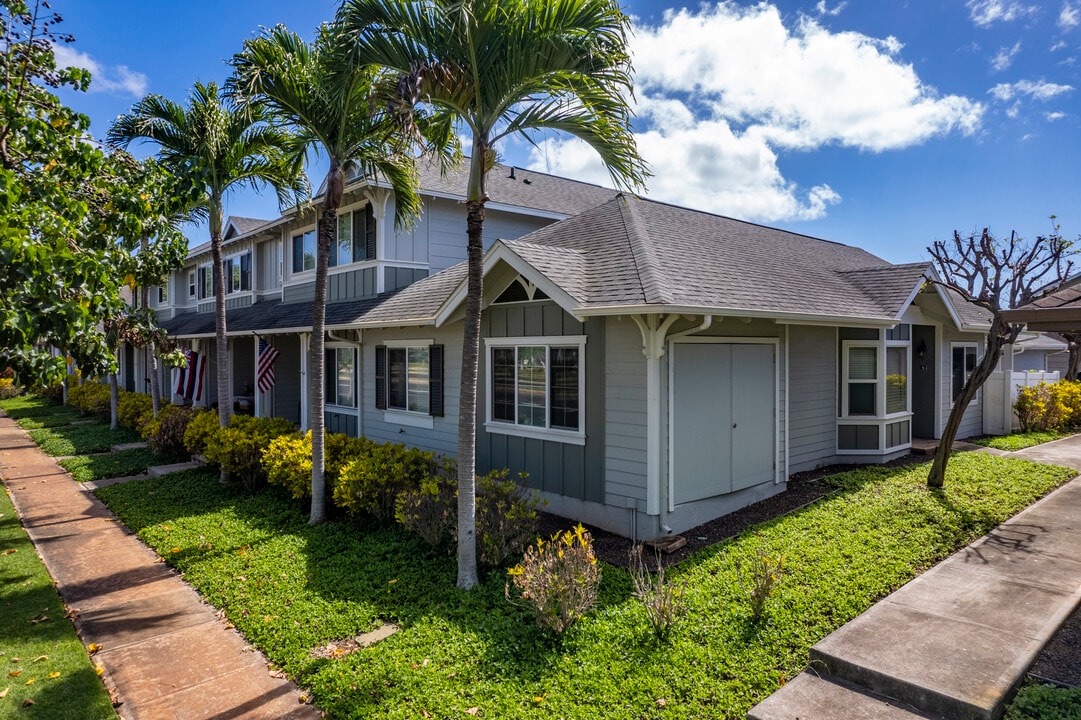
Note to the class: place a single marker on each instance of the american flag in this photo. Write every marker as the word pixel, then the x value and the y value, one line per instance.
pixel 190 381
pixel 265 371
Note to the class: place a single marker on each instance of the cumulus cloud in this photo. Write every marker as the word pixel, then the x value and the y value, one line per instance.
pixel 118 79
pixel 1004 57
pixel 1069 17
pixel 722 92
pixel 986 13
pixel 1037 90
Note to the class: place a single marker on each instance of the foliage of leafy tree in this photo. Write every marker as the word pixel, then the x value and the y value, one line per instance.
pixel 502 68
pixel 995 274
pixel 65 209
pixel 329 103
pixel 218 147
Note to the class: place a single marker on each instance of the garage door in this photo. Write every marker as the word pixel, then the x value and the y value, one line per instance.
pixel 723 424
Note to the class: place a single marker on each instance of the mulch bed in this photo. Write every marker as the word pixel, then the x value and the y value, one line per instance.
pixel 1060 661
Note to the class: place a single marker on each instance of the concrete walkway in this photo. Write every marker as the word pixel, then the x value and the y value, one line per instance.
pixel 956 641
pixel 163 650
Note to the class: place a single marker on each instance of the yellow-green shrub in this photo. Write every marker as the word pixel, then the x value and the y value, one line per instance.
pixel 288 460
pixel 8 388
pixel 431 510
pixel 134 410
pixel 1053 406
pixel 202 425
pixel 507 515
pixel 239 447
pixel 90 397
pixel 372 482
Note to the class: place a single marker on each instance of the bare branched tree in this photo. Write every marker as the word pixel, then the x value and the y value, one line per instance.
pixel 996 275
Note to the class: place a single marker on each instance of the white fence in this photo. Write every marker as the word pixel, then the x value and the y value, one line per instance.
pixel 999 395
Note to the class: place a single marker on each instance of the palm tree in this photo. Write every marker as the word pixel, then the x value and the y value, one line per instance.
pixel 503 67
pixel 330 106
pixel 219 147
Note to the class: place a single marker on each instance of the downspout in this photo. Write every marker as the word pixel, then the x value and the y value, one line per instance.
pixel 654 332
pixel 305 352
pixel 360 374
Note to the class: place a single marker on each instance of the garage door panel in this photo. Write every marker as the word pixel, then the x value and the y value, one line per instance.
pixel 754 427
pixel 700 458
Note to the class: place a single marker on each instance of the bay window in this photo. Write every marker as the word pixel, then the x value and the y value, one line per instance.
pixel 875 392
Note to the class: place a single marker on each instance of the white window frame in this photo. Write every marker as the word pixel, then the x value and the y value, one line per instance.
pixel 300 232
pixel 163 293
pixel 234 260
pixel 846 347
pixel 334 406
pixel 502 427
pixel 963 344
pixel 207 291
pixel 402 416
pixel 193 289
pixel 906 344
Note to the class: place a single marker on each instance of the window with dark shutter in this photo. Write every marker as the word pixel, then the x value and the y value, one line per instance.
pixel 435 380
pixel 381 377
pixel 245 271
pixel 369 233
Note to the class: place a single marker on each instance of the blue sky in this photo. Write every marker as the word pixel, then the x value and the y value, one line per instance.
pixel 881 125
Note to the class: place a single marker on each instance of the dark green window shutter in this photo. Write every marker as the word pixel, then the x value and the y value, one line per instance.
pixel 435 380
pixel 369 232
pixel 381 377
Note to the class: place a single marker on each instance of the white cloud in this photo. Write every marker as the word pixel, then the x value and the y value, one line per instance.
pixel 1069 17
pixel 1057 46
pixel 1038 90
pixel 722 92
pixel 1053 116
pixel 987 12
pixel 119 79
pixel 1004 57
pixel 822 9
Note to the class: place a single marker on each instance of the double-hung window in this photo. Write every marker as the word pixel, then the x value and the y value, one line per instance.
pixel 206 282
pixel 237 271
pixel 409 378
pixel 860 391
pixel 191 284
pixel 355 240
pixel 163 293
pixel 304 248
pixel 963 364
pixel 536 386
pixel 340 377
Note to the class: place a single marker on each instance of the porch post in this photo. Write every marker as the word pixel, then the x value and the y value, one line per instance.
pixel 255 388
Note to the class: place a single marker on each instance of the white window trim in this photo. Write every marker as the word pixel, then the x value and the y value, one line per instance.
pixel 209 267
pixel 334 407
pixel 192 284
pixel 881 418
pixel 963 344
pixel 846 346
pixel 401 416
pixel 500 427
pixel 229 280
pixel 293 234
pixel 908 377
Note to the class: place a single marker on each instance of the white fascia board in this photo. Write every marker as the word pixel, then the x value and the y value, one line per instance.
pixel 779 318
pixel 912 295
pixel 947 302
pixel 502 207
pixel 501 253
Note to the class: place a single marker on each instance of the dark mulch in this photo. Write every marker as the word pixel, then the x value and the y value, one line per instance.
pixel 1061 659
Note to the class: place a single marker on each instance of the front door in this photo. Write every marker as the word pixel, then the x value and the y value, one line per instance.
pixel 923 381
pixel 723 423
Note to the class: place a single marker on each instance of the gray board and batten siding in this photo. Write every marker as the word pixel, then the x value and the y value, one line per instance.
pixel 287 388
pixel 564 469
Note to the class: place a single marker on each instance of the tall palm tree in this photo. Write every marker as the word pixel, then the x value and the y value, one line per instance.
pixel 219 147
pixel 331 107
pixel 503 67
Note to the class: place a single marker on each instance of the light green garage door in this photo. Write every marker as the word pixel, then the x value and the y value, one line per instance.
pixel 723 423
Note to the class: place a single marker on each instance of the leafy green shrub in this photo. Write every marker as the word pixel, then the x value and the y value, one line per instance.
pixel 373 481
pixel 203 425
pixel 165 433
pixel 288 460
pixel 1045 702
pixel 239 448
pixel 507 515
pixel 765 573
pixel 663 601
pixel 134 410
pixel 8 388
pixel 53 392
pixel 558 579
pixel 430 510
pixel 90 397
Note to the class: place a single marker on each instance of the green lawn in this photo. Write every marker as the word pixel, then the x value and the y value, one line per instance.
pixel 80 439
pixel 85 468
pixel 1042 702
pixel 1020 441
pixel 55 419
pixel 41 658
pixel 290 588
pixel 29 406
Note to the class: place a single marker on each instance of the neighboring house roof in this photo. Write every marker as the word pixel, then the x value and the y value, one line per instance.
pixel 235 227
pixel 1041 342
pixel 413 305
pixel 1059 311
pixel 635 253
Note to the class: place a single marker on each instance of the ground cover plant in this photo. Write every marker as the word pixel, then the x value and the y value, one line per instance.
pixel 292 588
pixel 1021 440
pixel 1044 702
pixel 86 468
pixel 80 439
pixel 41 658
pixel 56 419
pixel 25 406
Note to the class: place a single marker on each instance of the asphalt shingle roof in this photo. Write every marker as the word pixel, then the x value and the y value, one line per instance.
pixel 631 251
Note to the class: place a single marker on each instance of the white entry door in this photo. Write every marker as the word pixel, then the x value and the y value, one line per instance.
pixel 723 418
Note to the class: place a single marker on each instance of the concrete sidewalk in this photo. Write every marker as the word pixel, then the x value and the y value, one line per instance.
pixel 956 641
pixel 164 650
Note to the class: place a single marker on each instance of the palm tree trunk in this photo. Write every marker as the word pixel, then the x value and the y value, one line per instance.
pixel 155 381
pixel 327 233
pixel 467 404
pixel 999 336
pixel 114 402
pixel 221 342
